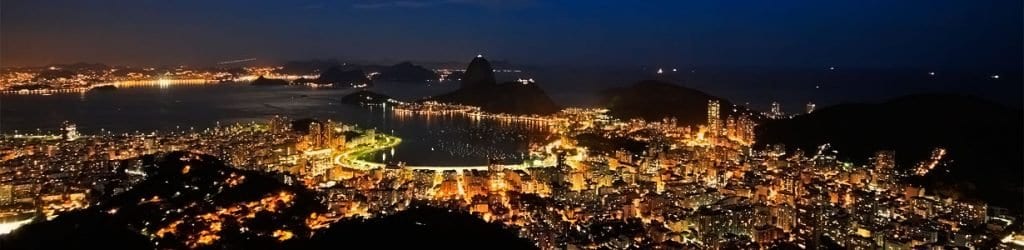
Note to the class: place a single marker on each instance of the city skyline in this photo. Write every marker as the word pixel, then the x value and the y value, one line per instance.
pixel 511 124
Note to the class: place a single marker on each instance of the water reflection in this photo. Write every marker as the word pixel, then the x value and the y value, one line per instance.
pixel 426 140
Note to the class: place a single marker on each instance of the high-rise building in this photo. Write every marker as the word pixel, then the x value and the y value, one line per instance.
pixel 714 122
pixel 278 124
pixel 6 194
pixel 776 111
pixel 884 160
pixel 496 171
pixel 328 131
pixel 315 136
pixel 885 168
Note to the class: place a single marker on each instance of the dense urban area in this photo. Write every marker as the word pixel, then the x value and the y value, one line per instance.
pixel 600 182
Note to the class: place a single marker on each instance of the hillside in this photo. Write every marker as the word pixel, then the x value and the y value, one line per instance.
pixel 654 100
pixel 421 228
pixel 193 201
pixel 406 72
pixel 262 81
pixel 342 78
pixel 479 89
pixel 185 199
pixel 983 138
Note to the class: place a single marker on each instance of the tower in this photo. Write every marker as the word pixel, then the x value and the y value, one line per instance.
pixel 328 134
pixel 810 107
pixel 885 168
pixel 713 115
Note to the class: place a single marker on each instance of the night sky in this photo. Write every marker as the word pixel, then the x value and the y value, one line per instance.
pixel 957 34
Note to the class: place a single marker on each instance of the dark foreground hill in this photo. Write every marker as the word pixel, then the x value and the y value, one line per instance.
pixel 655 100
pixel 194 201
pixel 420 228
pixel 983 139
pixel 186 201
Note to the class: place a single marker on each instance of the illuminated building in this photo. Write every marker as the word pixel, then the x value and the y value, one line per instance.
pixel 316 163
pixel 6 194
pixel 809 108
pixel 884 163
pixel 70 131
pixel 714 122
pixel 496 171
pixel 776 111
pixel 278 124
pixel 696 193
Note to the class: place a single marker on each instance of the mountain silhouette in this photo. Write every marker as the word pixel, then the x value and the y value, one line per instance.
pixel 479 89
pixel 478 74
pixel 342 78
pixel 262 81
pixel 406 72
pixel 654 100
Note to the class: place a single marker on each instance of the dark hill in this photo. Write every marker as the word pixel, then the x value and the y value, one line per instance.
pixel 53 74
pixel 983 139
pixel 76 230
pixel 506 98
pixel 406 72
pixel 479 73
pixel 654 100
pixel 421 228
pixel 342 78
pixel 262 81
pixel 105 88
pixel 479 89
pixel 185 196
pixel 364 97
pixel 307 67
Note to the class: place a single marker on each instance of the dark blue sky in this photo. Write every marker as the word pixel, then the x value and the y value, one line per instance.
pixel 975 34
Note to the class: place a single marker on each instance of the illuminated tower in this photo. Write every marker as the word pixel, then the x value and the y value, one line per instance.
pixel 713 118
pixel 315 135
pixel 328 134
pixel 885 168
pixel 810 107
